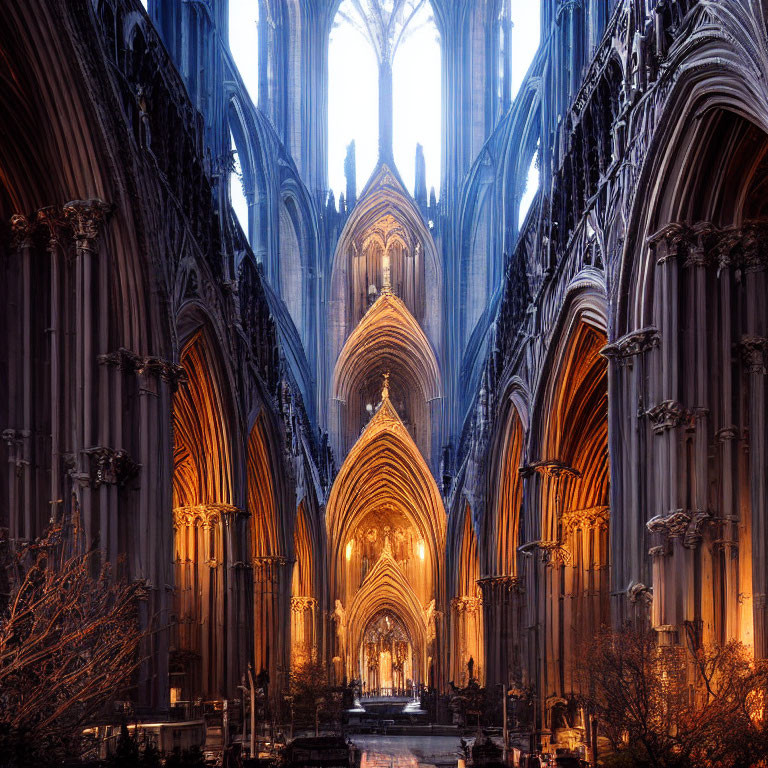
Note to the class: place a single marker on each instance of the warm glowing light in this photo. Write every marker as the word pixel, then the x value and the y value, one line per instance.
pixel 175 695
pixel 420 549
pixel 350 544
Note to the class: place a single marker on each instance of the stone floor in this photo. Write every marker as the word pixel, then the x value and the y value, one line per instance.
pixel 407 751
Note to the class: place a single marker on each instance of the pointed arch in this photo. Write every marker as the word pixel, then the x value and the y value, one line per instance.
pixel 386 588
pixel 266 537
pixel 384 509
pixel 571 481
pixel 467 640
pixel 385 467
pixel 501 536
pixel 388 339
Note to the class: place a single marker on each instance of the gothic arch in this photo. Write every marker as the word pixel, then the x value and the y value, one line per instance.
pixel 384 198
pixel 467 640
pixel 388 340
pixel 685 296
pixel 203 512
pixel 384 509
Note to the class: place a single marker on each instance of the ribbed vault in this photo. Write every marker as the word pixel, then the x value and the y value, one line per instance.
pixel 388 339
pixel 386 588
pixel 386 533
pixel 384 468
pixel 202 453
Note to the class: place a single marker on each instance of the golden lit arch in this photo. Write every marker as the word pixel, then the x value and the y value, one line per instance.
pixel 466 605
pixel 386 588
pixel 388 339
pixel 573 486
pixel 202 447
pixel 265 536
pixel 202 501
pixel 303 600
pixel 384 468
pixel 502 522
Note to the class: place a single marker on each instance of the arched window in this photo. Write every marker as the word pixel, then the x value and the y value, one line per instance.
pixel 524 38
pixel 353 102
pixel 530 189
pixel 363 44
pixel 236 191
pixel 417 93
pixel 244 42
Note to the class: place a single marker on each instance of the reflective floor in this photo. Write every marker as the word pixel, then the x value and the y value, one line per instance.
pixel 407 751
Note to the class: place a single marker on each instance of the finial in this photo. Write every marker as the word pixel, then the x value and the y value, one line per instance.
pixel 385 388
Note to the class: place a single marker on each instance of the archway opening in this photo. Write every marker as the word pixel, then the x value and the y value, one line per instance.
pixel 467 642
pixel 386 657
pixel 386 531
pixel 202 501
pixel 574 544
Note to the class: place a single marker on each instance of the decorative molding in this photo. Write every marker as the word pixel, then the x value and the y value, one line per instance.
pixel 667 415
pixel 551 553
pixel 592 517
pixel 633 344
pixel 682 523
pixel 491 586
pixel 86 217
pixel 300 604
pixel 110 466
pixel 549 468
pixel 467 604
pixel 754 350
pixel 150 365
pixel 204 515
pixel 638 593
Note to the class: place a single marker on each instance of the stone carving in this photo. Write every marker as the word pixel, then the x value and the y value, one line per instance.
pixel 86 218
pixel 110 466
pixel 754 350
pixel 126 360
pixel 593 517
pixel 638 593
pixel 667 415
pixel 633 344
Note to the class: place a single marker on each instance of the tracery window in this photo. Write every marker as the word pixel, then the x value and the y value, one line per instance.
pixel 375 45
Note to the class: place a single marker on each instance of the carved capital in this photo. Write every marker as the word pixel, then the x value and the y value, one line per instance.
pixel 633 344
pixel 21 231
pixel 498 586
pixel 110 466
pixel 754 350
pixel 301 604
pixel 51 218
pixel 682 523
pixel 204 515
pixel 673 525
pixel 467 604
pixel 86 217
pixel 592 517
pixel 549 468
pixel 639 594
pixel 149 365
pixel 667 415
pixel 726 434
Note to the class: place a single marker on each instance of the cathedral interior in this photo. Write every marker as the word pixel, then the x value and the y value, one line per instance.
pixel 416 438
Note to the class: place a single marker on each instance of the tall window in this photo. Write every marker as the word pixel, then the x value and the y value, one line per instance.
pixel 531 187
pixel 244 42
pixel 366 35
pixel 524 38
pixel 236 192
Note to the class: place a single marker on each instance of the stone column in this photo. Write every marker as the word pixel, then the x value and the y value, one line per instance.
pixel 50 219
pixel 86 218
